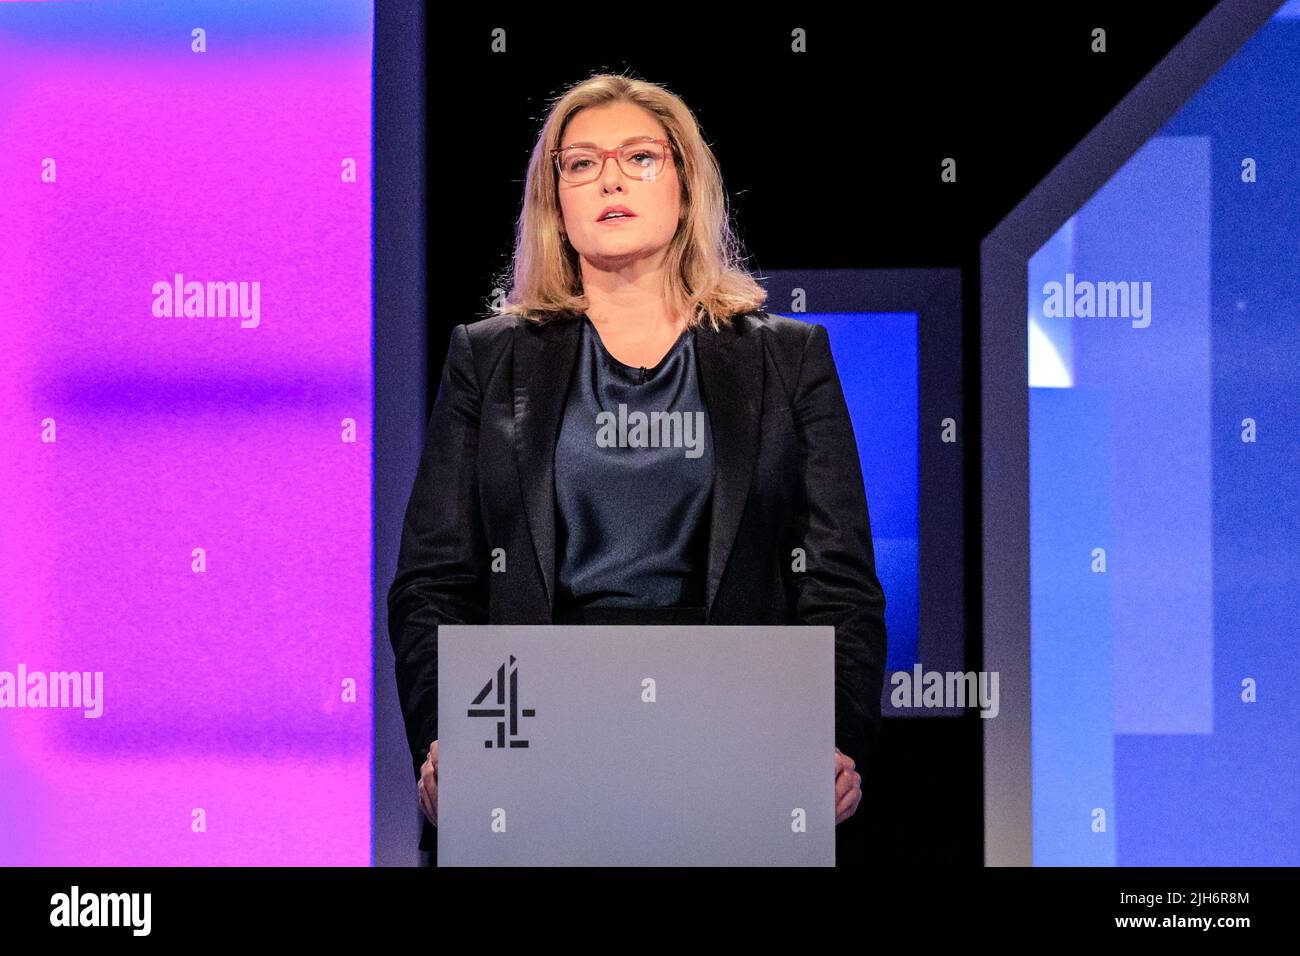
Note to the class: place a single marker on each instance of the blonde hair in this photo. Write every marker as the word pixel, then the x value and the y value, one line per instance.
pixel 703 272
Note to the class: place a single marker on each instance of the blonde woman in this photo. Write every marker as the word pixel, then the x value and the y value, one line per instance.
pixel 626 290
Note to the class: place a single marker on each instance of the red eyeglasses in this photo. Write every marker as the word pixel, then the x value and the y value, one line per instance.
pixel 644 159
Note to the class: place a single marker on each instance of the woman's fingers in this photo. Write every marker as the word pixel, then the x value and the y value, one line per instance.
pixel 843 762
pixel 843 782
pixel 848 794
pixel 429 804
pixel 844 808
pixel 428 785
pixel 426 803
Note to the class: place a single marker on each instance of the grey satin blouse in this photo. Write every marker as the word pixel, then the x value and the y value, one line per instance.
pixel 633 482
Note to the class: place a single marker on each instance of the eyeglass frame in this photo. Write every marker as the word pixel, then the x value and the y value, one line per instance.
pixel 605 155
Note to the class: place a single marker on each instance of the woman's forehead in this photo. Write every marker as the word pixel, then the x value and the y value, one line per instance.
pixel 610 126
pixel 633 138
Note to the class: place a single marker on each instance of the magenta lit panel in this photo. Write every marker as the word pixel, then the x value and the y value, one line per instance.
pixel 186 404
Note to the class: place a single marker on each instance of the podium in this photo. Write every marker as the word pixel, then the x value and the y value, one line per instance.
pixel 636 745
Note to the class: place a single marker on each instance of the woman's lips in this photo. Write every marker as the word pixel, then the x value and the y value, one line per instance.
pixel 615 220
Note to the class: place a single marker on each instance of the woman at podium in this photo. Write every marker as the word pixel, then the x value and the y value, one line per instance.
pixel 630 438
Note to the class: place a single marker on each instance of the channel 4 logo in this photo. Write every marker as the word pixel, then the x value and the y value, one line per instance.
pixel 505 686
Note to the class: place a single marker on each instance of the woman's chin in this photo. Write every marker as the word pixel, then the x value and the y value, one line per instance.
pixel 616 254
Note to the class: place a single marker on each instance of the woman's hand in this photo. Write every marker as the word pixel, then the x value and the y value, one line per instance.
pixel 428 785
pixel 848 786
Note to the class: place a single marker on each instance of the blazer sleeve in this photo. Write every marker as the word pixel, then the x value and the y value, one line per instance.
pixel 442 563
pixel 839 586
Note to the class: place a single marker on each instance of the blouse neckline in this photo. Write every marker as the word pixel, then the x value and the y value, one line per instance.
pixel 636 369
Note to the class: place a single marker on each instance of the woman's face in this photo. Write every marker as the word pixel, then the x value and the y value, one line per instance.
pixel 655 204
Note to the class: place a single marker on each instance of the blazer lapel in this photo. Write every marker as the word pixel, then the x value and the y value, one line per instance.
pixel 731 379
pixel 543 365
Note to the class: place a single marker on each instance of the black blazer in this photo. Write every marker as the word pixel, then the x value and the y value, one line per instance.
pixel 786 476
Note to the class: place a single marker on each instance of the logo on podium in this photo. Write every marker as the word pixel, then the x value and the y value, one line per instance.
pixel 506 686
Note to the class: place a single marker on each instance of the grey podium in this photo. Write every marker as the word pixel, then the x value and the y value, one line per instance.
pixel 636 745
